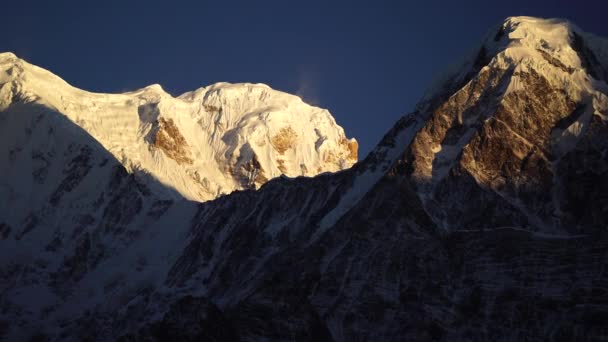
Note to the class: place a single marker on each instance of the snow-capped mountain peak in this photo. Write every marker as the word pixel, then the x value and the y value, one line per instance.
pixel 554 41
pixel 539 84
pixel 204 143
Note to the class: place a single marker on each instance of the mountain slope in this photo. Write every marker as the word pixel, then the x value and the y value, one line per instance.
pixel 540 86
pixel 479 216
pixel 204 143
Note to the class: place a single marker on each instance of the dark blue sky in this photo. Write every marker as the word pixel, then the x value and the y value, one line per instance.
pixel 368 62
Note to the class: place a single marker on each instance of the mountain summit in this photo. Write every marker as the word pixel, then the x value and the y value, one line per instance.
pixel 202 144
pixel 505 138
pixel 481 215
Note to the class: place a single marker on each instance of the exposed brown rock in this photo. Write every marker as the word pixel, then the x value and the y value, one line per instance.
pixel 304 169
pixel 281 166
pixel 330 157
pixel 353 148
pixel 512 154
pixel 169 139
pixel 284 140
pixel 449 122
pixel 483 151
pixel 555 62
pixel 211 108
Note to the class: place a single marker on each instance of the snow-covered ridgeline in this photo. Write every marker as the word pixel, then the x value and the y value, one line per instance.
pixel 204 143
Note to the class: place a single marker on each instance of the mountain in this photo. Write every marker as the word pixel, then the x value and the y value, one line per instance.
pixel 539 85
pixel 481 215
pixel 202 144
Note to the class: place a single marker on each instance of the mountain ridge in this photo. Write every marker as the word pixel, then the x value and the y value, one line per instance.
pixel 473 218
pixel 204 143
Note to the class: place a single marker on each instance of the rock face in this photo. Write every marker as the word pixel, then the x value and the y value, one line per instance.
pixel 169 140
pixel 479 216
pixel 533 89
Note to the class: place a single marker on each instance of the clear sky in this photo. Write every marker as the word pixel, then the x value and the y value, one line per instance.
pixel 368 62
